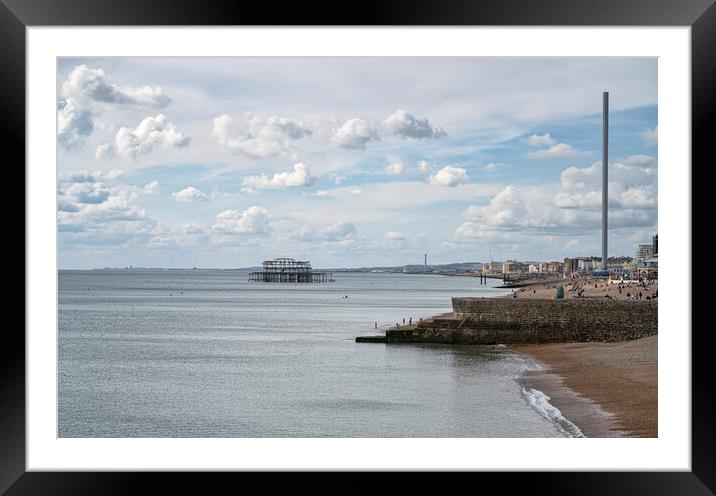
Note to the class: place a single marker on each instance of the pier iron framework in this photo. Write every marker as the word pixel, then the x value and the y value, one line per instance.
pixel 289 270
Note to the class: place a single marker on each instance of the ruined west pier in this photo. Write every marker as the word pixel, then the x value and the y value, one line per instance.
pixel 289 270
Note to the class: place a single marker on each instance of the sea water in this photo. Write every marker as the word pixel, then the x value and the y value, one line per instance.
pixel 205 353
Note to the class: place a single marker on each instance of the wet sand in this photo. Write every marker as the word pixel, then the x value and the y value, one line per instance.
pixel 606 389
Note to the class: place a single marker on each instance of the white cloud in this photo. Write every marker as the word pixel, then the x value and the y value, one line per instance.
pixel 151 133
pixel 571 208
pixel 632 184
pixel 342 233
pixel 111 174
pixel 491 167
pixel 639 161
pixel 86 93
pixel 190 194
pixel 92 213
pixel 541 140
pixel 449 176
pixel 393 236
pixel 151 188
pixel 249 191
pixel 511 208
pixel 300 177
pixel 395 169
pixel 424 167
pixel 192 228
pixel 92 84
pixel 651 136
pixel 630 171
pixel 560 150
pixel 339 231
pixel 73 124
pixel 406 125
pixel 639 197
pixel 85 192
pixel 355 134
pixel 256 136
pixel 253 220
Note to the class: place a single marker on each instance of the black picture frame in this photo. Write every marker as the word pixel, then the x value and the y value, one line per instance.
pixel 16 15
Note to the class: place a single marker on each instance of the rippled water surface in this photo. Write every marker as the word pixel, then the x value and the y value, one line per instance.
pixel 208 354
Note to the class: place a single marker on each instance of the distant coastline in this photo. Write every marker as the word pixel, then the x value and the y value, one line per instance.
pixel 457 268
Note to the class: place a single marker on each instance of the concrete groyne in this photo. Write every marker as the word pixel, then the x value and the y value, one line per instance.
pixel 525 321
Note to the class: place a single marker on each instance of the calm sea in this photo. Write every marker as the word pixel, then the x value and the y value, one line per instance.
pixel 208 354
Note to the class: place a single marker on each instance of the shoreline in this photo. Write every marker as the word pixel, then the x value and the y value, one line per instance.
pixel 605 389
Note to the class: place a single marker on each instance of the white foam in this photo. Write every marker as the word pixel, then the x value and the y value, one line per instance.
pixel 540 402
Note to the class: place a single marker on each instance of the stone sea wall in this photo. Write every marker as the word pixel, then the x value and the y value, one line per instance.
pixel 523 321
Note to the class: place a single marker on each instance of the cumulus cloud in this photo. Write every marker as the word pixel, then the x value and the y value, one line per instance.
pixel 84 82
pixel 151 133
pixel 340 231
pixel 541 140
pixel 86 192
pixel 491 167
pixel 651 136
pixel 73 124
pixel 94 213
pixel 190 194
pixel 395 169
pixel 573 206
pixel 86 93
pixel 511 208
pixel 560 150
pixel 393 236
pixel 642 196
pixel 256 136
pixel 424 167
pixel 630 171
pixel 355 134
pixel 632 184
pixel 300 177
pixel 253 220
pixel 407 125
pixel 449 176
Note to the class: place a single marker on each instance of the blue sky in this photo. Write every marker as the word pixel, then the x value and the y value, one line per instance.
pixel 348 162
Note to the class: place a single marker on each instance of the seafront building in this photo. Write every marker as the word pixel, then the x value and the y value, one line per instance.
pixel 644 252
pixel 491 268
pixel 553 267
pixel 514 267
